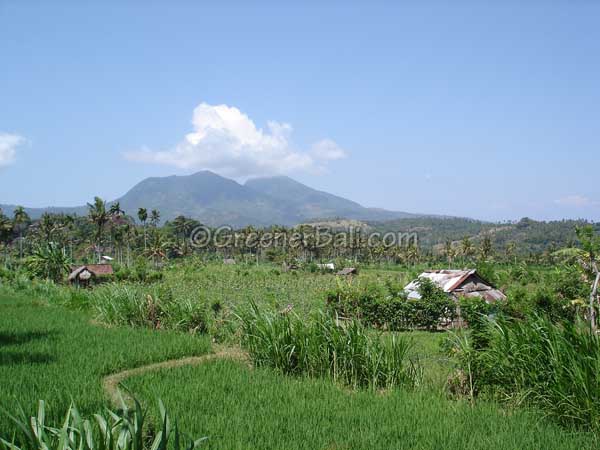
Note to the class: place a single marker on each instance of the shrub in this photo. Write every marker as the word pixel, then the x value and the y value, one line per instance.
pixel 386 305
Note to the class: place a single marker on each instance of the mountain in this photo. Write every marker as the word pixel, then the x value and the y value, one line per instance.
pixel 304 203
pixel 216 200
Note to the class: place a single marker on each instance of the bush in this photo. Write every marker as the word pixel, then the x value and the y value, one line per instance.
pixel 386 306
pixel 325 347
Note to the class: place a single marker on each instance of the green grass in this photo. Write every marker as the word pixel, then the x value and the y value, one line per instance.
pixel 55 354
pixel 239 408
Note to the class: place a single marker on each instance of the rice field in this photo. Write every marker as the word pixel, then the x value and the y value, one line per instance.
pixel 240 408
pixel 57 355
pixel 55 345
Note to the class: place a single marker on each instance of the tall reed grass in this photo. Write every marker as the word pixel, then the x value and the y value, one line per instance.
pixel 322 346
pixel 553 367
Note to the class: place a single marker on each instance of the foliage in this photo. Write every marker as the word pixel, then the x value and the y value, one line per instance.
pixel 386 306
pixel 536 362
pixel 119 429
pixel 148 306
pixel 59 355
pixel 324 347
pixel 49 261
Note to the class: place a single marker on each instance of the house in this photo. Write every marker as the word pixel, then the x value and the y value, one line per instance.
pixel 347 271
pixel 458 283
pixel 85 275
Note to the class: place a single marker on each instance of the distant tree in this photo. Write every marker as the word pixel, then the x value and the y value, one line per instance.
pixel 449 251
pixel 486 248
pixel 20 222
pixel 466 247
pixel 143 216
pixel 6 229
pixel 154 217
pixel 510 250
pixel 99 216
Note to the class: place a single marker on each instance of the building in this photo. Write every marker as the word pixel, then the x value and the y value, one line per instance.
pixel 90 274
pixel 458 283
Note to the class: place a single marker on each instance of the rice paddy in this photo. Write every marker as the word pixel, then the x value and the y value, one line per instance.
pixel 63 353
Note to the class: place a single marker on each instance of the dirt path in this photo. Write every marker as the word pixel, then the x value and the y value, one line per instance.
pixel 111 383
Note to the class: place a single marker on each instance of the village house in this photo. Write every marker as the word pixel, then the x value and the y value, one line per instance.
pixel 458 283
pixel 84 276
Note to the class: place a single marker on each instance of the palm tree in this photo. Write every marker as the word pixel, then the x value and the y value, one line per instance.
pixel 143 216
pixel 466 247
pixel 449 251
pixel 6 229
pixel 486 248
pixel 20 221
pixel 99 216
pixel 154 217
pixel 158 248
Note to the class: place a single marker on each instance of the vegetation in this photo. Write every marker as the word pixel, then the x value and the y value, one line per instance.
pixel 56 354
pixel 386 306
pixel 305 330
pixel 119 429
pixel 323 347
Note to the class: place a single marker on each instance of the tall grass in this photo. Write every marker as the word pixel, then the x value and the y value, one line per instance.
pixel 148 306
pixel 555 368
pixel 346 352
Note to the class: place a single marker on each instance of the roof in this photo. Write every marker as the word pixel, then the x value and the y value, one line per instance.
pixel 466 282
pixel 347 271
pixel 95 269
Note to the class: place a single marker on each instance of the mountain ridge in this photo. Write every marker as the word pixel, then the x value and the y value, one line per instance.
pixel 216 200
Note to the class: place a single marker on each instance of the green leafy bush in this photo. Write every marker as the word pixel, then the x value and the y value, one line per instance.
pixel 386 305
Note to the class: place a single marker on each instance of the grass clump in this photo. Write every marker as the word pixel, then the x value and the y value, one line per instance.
pixel 345 352
pixel 552 367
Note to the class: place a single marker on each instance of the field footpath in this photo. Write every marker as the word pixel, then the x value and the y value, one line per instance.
pixel 111 383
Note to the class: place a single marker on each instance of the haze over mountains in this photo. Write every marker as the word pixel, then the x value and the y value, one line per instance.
pixel 216 200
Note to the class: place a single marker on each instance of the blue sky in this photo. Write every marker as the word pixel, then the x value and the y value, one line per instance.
pixel 486 111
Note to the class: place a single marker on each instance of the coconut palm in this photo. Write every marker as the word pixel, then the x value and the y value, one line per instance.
pixel 20 222
pixel 154 217
pixel 466 247
pixel 99 216
pixel 143 216
pixel 157 250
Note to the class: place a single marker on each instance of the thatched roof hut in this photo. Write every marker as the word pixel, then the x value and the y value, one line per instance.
pixel 83 275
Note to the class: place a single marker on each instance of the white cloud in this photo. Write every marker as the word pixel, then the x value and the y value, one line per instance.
pixel 327 150
pixel 8 147
pixel 578 201
pixel 226 140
